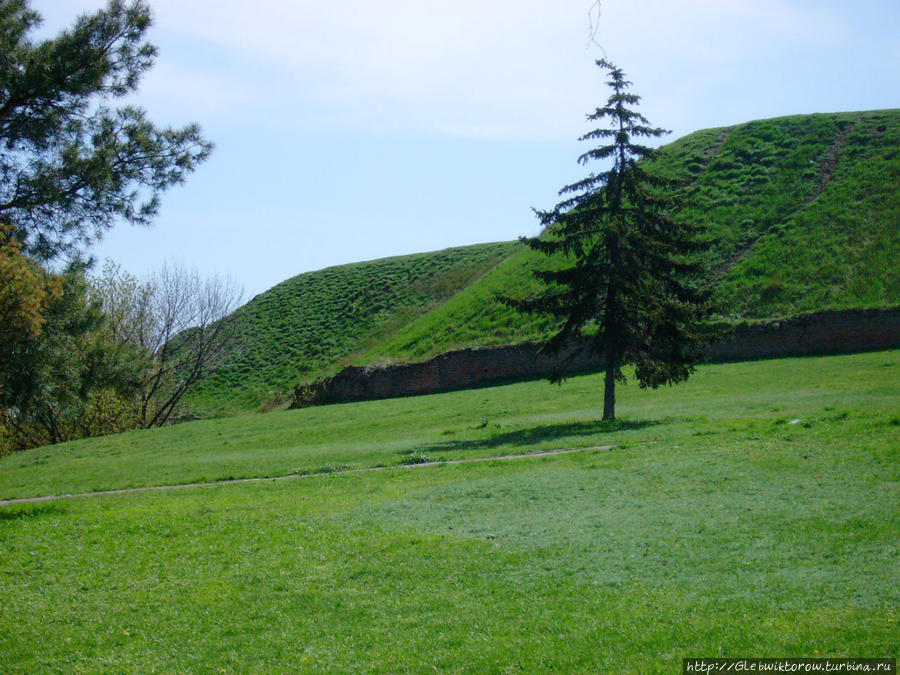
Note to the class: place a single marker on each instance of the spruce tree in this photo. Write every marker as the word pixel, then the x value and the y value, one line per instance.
pixel 626 272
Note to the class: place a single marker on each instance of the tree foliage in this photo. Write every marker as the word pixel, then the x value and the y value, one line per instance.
pixel 106 354
pixel 74 161
pixel 178 320
pixel 71 164
pixel 67 378
pixel 24 291
pixel 624 267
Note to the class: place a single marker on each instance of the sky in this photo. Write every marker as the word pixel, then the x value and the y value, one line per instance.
pixel 350 130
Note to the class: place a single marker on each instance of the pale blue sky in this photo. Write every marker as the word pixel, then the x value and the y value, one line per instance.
pixel 348 130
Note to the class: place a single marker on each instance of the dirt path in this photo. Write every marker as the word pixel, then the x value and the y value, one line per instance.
pixel 295 476
pixel 827 165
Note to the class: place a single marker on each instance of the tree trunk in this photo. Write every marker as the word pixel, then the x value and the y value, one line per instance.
pixel 609 392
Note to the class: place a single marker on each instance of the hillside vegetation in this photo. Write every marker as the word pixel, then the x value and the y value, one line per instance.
pixel 804 212
pixel 311 324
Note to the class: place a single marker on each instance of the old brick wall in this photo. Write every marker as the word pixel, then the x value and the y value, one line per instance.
pixel 833 332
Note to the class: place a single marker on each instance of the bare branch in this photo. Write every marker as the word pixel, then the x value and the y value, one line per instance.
pixel 593 13
pixel 180 320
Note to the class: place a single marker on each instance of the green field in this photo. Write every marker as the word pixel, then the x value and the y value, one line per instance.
pixel 754 510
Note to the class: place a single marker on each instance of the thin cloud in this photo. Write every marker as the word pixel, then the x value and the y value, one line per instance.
pixel 504 69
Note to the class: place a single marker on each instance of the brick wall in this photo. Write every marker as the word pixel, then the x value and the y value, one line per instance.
pixel 833 332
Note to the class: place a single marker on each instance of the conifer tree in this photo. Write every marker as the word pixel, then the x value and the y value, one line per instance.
pixel 626 271
pixel 72 163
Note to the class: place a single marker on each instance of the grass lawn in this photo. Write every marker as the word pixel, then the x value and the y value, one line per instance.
pixel 754 511
pixel 756 398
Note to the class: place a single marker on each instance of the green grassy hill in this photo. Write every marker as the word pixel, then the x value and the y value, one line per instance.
pixel 314 323
pixel 804 211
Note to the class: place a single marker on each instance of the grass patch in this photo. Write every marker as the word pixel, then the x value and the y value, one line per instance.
pixel 324 469
pixel 717 529
pixel 418 458
pixel 726 399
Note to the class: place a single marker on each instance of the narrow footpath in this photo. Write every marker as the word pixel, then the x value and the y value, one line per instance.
pixel 295 476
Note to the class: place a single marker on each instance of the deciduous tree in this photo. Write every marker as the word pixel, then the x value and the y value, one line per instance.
pixel 25 290
pixel 179 320
pixel 65 377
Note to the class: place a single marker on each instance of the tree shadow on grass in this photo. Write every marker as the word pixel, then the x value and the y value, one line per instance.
pixel 539 434
pixel 23 511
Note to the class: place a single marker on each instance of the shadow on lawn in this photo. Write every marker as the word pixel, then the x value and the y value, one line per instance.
pixel 23 511
pixel 545 432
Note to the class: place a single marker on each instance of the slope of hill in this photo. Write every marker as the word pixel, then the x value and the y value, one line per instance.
pixel 313 323
pixel 804 211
